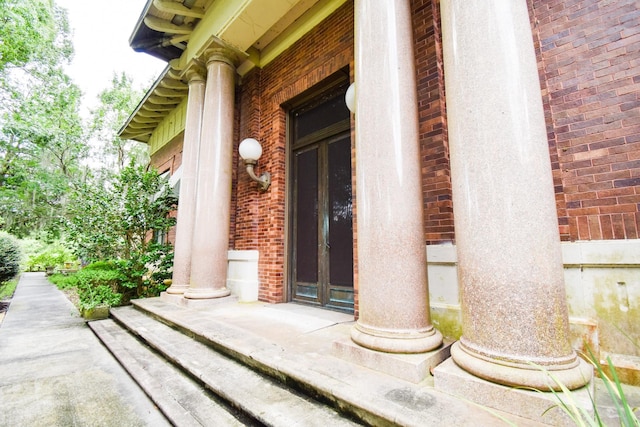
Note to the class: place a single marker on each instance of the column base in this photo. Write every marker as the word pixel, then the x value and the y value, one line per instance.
pixel 171 298
pixel 409 367
pixel 203 293
pixel 542 378
pixel 177 289
pixel 390 341
pixel 538 406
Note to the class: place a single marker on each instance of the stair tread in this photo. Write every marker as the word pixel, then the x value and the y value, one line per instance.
pixel 182 400
pixel 262 398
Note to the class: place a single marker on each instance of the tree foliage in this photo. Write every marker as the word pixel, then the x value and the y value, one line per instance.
pixel 28 31
pixel 41 133
pixel 116 103
pixel 116 221
pixel 104 201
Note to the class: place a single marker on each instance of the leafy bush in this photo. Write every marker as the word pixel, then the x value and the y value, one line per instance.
pixel 52 255
pixel 10 255
pixel 63 281
pixel 143 273
pixel 96 285
pixel 117 282
pixel 114 220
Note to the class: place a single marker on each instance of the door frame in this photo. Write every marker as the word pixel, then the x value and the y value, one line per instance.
pixel 327 85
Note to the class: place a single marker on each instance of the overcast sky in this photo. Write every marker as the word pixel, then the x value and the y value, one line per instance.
pixel 101 33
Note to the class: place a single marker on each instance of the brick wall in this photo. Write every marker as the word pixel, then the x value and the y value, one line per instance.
pixel 589 61
pixel 436 176
pixel 169 158
pixel 260 220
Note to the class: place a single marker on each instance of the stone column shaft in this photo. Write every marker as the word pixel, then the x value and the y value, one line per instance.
pixel 509 258
pixel 392 270
pixel 213 207
pixel 187 200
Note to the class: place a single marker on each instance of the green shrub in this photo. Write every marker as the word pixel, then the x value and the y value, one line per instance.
pixel 53 255
pixel 64 281
pixel 96 284
pixel 10 255
pixel 143 273
pixel 101 265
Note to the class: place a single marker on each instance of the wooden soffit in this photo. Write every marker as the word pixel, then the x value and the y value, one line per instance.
pixel 181 31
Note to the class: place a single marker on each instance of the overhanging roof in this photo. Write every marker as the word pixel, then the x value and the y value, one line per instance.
pixel 179 31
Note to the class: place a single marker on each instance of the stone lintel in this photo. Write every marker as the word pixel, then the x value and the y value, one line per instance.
pixel 539 406
pixel 409 367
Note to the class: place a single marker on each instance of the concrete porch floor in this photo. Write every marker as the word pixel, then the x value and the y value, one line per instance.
pixel 297 345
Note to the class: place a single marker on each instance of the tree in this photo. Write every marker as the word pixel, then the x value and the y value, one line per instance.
pixel 116 103
pixel 28 31
pixel 41 133
pixel 116 220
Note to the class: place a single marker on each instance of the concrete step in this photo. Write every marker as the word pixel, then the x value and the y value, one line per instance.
pixel 258 397
pixel 182 400
pixel 295 345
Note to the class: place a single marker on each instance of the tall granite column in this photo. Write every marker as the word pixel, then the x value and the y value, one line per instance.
pixel 392 270
pixel 213 206
pixel 187 200
pixel 514 310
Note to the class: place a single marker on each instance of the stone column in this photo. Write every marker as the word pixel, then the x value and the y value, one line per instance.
pixel 514 308
pixel 213 206
pixel 187 200
pixel 392 270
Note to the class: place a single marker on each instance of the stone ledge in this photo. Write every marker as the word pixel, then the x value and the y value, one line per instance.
pixel 627 367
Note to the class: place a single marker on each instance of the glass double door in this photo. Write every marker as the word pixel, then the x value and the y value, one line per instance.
pixel 323 226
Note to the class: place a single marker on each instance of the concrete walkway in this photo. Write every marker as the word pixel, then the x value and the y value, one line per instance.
pixel 55 372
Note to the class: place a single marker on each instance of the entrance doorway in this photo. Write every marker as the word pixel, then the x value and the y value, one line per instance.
pixel 321 261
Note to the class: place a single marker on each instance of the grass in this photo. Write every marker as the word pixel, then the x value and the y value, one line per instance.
pixel 7 289
pixel 580 416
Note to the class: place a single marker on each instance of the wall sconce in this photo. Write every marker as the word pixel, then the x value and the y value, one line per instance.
pixel 250 151
pixel 350 97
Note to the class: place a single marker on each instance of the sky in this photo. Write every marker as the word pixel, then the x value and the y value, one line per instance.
pixel 100 32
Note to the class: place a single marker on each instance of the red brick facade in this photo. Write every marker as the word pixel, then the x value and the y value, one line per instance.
pixel 436 176
pixel 261 217
pixel 589 63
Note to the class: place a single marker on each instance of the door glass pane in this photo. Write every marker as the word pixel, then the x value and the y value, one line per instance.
pixel 306 215
pixel 328 111
pixel 340 213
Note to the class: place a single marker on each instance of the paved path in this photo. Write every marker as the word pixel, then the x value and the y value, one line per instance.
pixel 55 372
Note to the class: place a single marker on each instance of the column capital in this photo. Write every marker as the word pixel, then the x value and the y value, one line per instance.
pixel 219 54
pixel 217 50
pixel 194 70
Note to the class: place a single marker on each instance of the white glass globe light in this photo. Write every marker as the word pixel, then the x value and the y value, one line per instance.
pixel 250 149
pixel 350 98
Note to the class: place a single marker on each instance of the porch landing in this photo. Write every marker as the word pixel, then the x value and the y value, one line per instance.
pixel 292 349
